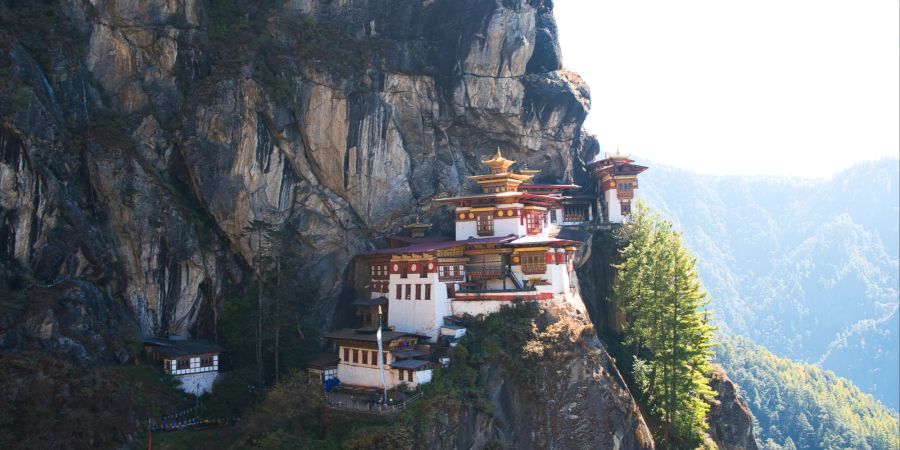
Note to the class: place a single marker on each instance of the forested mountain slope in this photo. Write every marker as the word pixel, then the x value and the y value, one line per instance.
pixel 807 268
pixel 799 406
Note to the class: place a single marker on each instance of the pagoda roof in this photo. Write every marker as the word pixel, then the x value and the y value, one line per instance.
pixel 500 195
pixel 425 247
pixel 498 163
pixel 500 176
pixel 508 194
pixel 549 186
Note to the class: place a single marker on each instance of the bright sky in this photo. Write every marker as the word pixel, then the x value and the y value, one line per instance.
pixel 725 86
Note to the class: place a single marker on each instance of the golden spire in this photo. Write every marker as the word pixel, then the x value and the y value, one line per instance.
pixel 498 163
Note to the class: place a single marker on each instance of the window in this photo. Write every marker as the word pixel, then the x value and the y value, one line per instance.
pixel 485 223
pixel 206 361
pixel 450 273
pixel 409 375
pixel 418 292
pixel 346 354
pixel 534 222
pixel 374 358
pixel 451 290
pixel 365 357
pixel 399 291
pixel 427 292
pixel 403 268
pixel 408 290
pixel 534 263
pixel 184 363
pixel 626 208
pixel 355 356
pixel 424 273
pixel 553 215
pixel 168 365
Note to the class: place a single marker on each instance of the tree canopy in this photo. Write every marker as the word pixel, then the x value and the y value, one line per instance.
pixel 667 327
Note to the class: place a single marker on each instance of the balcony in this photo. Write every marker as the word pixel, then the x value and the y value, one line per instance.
pixel 480 272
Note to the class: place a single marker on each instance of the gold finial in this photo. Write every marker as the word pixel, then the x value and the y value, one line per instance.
pixel 498 163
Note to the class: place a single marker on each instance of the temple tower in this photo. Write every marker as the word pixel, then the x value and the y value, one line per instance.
pixel 616 181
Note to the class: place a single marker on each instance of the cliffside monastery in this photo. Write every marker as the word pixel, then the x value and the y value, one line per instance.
pixel 508 247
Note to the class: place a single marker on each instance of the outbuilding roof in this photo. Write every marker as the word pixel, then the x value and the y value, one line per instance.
pixel 409 364
pixel 408 353
pixel 178 347
pixel 367 335
pixel 323 360
pixel 371 301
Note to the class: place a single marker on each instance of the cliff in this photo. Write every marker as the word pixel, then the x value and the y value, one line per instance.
pixel 730 421
pixel 138 138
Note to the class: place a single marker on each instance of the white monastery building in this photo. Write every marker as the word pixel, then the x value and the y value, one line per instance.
pixel 505 249
pixel 194 363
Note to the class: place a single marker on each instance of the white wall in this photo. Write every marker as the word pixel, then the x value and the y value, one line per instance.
pixel 507 226
pixel 193 366
pixel 360 375
pixel 197 383
pixel 423 376
pixel 418 316
pixel 466 229
pixel 613 207
pixel 476 307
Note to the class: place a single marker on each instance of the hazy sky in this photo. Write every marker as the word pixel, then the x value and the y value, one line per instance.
pixel 791 87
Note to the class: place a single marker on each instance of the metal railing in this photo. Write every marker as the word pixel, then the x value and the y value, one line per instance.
pixel 355 405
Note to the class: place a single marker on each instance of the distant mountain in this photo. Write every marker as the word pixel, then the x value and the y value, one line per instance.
pixel 799 406
pixel 807 268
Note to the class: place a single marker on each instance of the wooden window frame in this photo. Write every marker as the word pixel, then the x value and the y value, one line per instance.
pixel 534 223
pixel 484 224
pixel 427 292
pixel 533 263
pixel 418 291
pixel 399 293
pixel 355 356
pixel 346 354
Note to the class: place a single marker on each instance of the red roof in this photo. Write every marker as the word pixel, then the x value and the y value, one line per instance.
pixel 424 247
pixel 549 186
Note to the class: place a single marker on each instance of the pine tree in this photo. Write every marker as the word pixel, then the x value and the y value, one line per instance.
pixel 667 327
pixel 259 231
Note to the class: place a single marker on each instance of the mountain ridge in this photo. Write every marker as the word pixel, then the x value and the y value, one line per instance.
pixel 807 269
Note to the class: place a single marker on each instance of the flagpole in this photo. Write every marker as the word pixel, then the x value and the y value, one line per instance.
pixel 381 356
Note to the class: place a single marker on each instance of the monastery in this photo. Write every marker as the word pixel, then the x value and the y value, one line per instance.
pixel 507 248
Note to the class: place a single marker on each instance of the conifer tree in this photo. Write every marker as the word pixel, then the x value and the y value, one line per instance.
pixel 667 327
pixel 258 230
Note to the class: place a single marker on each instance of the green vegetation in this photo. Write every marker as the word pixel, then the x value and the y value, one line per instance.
pixel 101 405
pixel 667 330
pixel 799 406
pixel 806 268
pixel 293 415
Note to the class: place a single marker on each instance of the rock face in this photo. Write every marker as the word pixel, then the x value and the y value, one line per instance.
pixel 140 137
pixel 579 399
pixel 560 390
pixel 730 421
